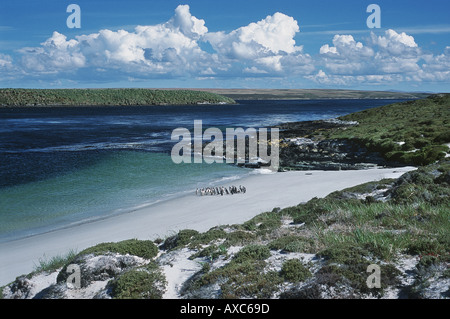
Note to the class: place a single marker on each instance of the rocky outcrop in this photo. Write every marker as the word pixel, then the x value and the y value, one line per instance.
pixel 95 273
pixel 307 154
pixel 100 268
pixel 21 288
pixel 303 147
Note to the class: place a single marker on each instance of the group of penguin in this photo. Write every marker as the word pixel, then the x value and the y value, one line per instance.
pixel 211 191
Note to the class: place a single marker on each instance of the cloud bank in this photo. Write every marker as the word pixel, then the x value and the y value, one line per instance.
pixel 389 58
pixel 266 48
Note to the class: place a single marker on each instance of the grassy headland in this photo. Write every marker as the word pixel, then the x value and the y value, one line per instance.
pixel 411 132
pixel 106 97
pixel 408 133
pixel 312 94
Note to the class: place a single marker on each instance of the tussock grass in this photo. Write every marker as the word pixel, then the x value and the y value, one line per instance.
pixel 51 264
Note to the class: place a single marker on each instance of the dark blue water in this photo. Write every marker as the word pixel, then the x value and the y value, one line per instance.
pixel 65 165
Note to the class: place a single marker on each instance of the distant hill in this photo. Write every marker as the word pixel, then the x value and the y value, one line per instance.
pixel 105 97
pixel 129 97
pixel 307 94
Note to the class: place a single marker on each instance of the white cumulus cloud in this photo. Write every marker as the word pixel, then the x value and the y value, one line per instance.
pixel 270 36
pixel 266 48
pixel 173 49
pixel 347 56
pixel 263 45
pixel 56 53
pixel 396 43
pixel 168 48
pixel 390 57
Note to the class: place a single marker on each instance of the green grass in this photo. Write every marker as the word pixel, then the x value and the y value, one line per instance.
pixel 252 252
pixel 182 238
pixel 146 282
pixel 294 271
pixel 239 237
pixel 53 263
pixel 263 222
pixel 105 97
pixel 251 284
pixel 208 237
pixel 347 234
pixel 212 252
pixel 242 277
pixel 423 126
pixel 141 248
pixel 385 229
pixel 293 244
pixel 363 188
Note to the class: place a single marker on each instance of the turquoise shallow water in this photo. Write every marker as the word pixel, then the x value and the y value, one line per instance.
pixel 119 182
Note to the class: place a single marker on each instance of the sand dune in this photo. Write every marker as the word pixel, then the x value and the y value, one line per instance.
pixel 264 192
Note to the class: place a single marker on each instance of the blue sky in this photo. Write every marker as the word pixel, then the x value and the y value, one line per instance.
pixel 226 44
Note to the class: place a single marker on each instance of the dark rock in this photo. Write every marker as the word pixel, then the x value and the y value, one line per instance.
pixel 57 291
pixel 327 155
pixel 21 287
pixel 303 148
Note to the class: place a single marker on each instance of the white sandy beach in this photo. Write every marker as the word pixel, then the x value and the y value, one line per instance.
pixel 264 192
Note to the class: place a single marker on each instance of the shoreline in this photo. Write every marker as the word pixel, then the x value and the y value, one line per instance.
pixel 313 94
pixel 121 211
pixel 159 220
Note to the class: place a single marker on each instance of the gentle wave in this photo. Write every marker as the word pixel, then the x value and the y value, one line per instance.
pixel 263 171
pixel 228 179
pixel 144 145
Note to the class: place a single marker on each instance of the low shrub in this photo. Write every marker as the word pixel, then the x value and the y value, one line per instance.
pixel 292 244
pixel 239 237
pixel 143 283
pixel 141 248
pixel 213 252
pixel 252 252
pixel 294 271
pixel 426 246
pixel 183 237
pixel 263 222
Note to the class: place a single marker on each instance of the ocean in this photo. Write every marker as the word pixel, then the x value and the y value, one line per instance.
pixel 61 166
